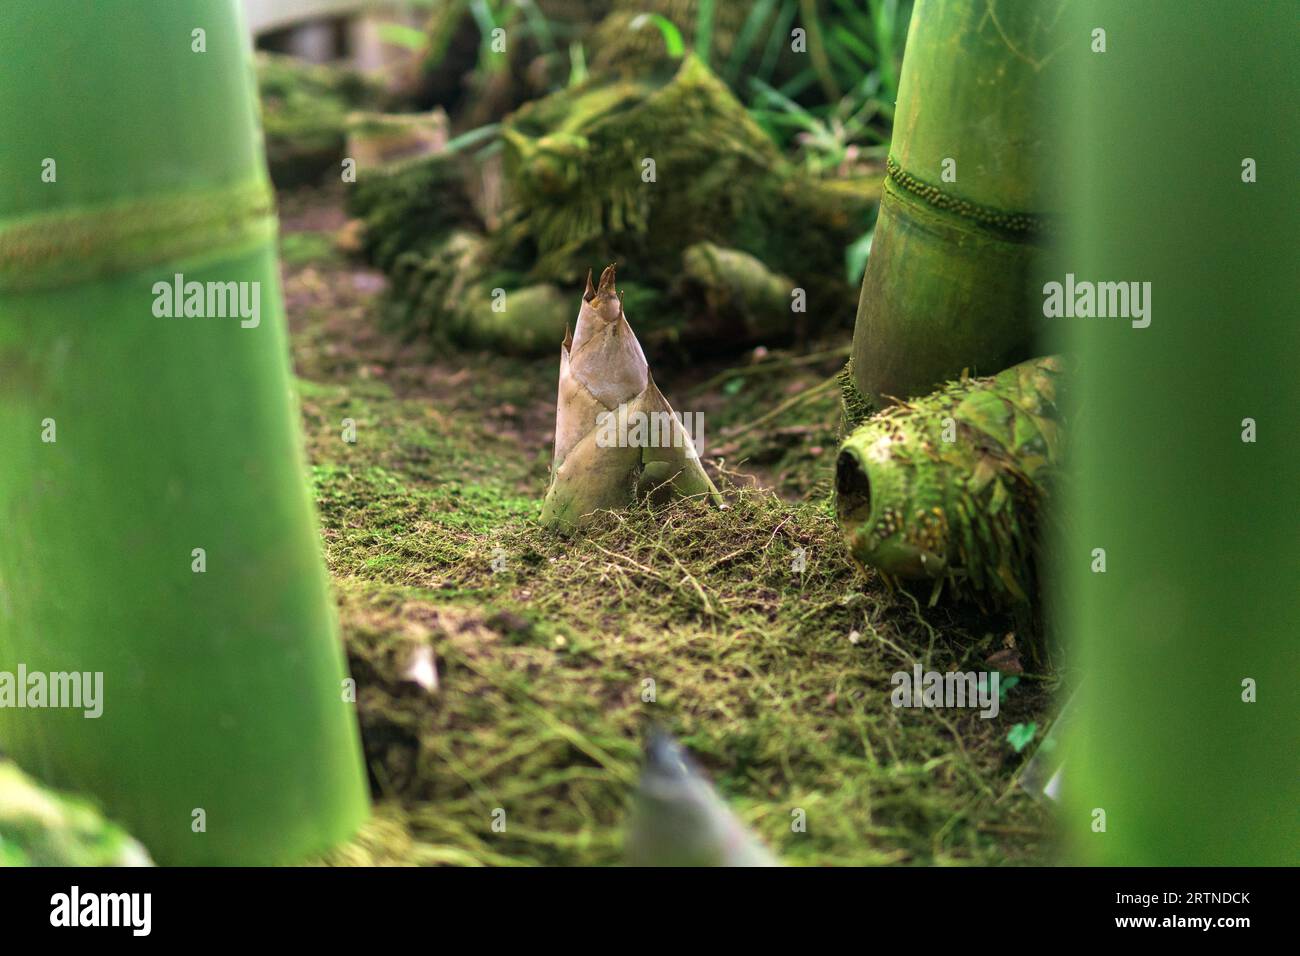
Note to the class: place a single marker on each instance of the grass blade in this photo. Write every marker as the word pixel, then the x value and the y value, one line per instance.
pixel 667 29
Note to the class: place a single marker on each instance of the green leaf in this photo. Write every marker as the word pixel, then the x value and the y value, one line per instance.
pixel 577 63
pixel 1005 685
pixel 858 21
pixel 843 59
pixel 799 82
pixel 778 38
pixel 855 257
pixel 482 14
pixel 1020 735
pixel 704 30
pixel 759 14
pixel 399 34
pixel 470 137
pixel 538 26
pixel 672 36
pixel 768 93
pixel 847 39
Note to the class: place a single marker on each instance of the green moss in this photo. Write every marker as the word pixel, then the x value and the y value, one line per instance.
pixel 40 827
pixel 855 406
pixel 410 206
pixel 541 664
pixel 300 248
pixel 304 115
pixel 753 663
pixel 576 162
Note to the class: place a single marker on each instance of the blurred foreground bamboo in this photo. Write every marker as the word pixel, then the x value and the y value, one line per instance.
pixel 1180 571
pixel 156 536
pixel 678 819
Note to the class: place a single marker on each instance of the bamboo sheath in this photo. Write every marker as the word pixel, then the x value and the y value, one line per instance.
pixel 965 211
pixel 225 735
pixel 605 382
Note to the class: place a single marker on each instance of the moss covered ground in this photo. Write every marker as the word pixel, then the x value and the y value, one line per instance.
pixel 777 679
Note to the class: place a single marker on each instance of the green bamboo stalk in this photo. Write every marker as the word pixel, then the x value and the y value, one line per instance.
pixel 1180 600
pixel 950 282
pixel 132 439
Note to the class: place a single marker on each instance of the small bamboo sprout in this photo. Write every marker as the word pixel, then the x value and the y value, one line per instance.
pixel 616 436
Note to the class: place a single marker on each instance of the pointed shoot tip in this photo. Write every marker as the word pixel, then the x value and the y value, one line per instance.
pixel 607 279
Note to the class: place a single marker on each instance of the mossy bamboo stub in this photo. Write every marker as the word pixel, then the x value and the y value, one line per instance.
pixel 582 182
pixel 733 293
pixel 950 487
pixel 305 110
pixel 642 169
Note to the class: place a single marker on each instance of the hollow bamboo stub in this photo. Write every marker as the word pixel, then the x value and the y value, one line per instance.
pixel 949 486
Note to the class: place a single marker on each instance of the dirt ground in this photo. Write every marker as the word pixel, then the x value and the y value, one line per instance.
pixel 544 649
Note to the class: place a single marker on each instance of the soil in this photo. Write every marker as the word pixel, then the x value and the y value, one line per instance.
pixel 552 656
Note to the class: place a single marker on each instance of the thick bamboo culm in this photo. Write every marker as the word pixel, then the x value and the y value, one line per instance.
pixel 155 525
pixel 965 215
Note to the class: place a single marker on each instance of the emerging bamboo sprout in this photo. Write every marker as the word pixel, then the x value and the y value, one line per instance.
pixel 949 487
pixel 679 820
pixel 616 436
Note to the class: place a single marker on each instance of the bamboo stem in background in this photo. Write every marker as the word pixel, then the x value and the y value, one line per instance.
pixel 950 284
